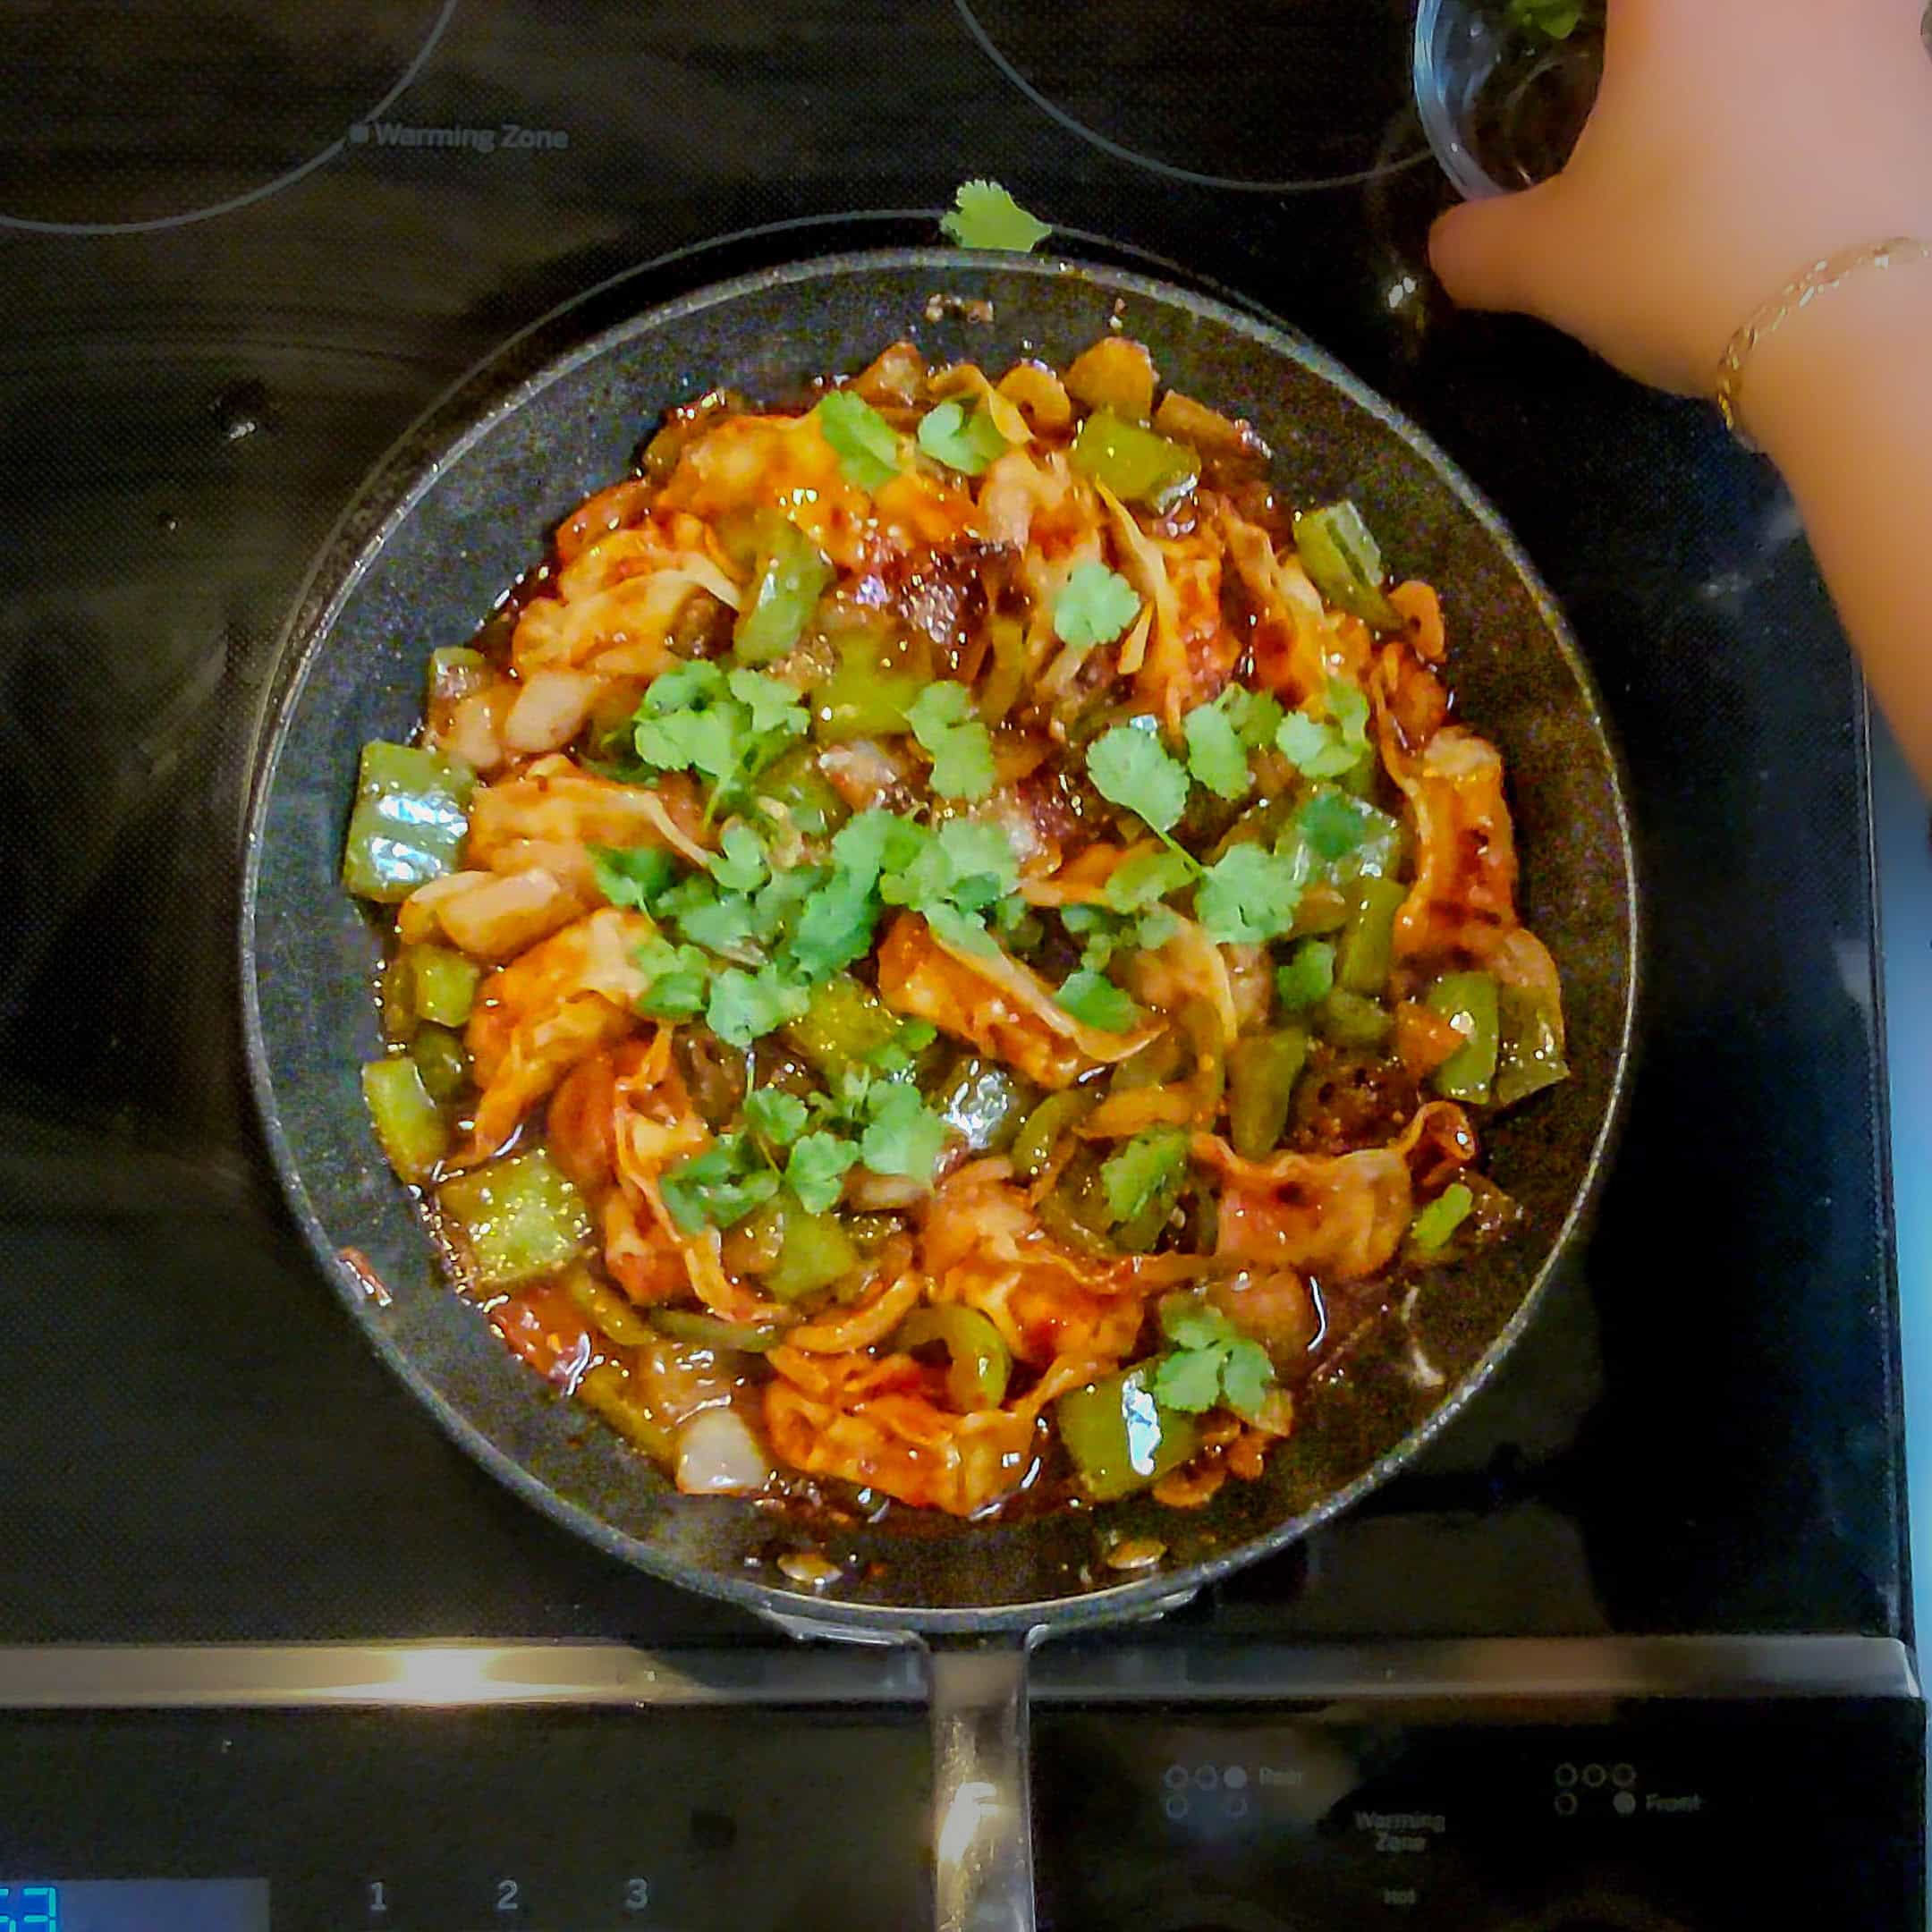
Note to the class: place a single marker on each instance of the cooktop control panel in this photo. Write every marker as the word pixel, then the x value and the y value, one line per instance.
pixel 1678 1818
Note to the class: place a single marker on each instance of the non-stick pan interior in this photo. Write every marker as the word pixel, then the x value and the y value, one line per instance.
pixel 475 515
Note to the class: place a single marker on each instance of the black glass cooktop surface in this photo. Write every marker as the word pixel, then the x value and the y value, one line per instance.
pixel 241 250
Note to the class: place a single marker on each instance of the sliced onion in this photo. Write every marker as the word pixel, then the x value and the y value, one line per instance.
pixel 549 710
pixel 718 1455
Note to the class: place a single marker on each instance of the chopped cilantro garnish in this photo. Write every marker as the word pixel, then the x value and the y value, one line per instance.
pixel 986 216
pixel 631 876
pixel 1321 749
pixel 1335 827
pixel 1249 895
pixel 745 1006
pixel 1432 1227
pixel 725 923
pixel 1146 878
pixel 863 440
pixel 1214 752
pixel 1308 975
pixel 1097 1001
pixel 726 727
pixel 949 732
pixel 815 1170
pixel 904 1135
pixel 680 978
pixel 1211 1362
pixel 1348 707
pixel 717 1187
pixel 964 440
pixel 1094 606
pixel 1149 1165
pixel 779 1116
pixel 1130 769
pixel 1157 928
pixel 738 866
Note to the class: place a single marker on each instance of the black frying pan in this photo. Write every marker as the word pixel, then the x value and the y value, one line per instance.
pixel 452 520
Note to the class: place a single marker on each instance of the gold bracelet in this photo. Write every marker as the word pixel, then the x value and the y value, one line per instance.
pixel 1799 293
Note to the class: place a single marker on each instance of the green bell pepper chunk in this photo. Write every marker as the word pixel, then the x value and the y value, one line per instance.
pixel 806 794
pixel 845 1022
pixel 454 671
pixel 1135 464
pixel 1263 1070
pixel 1075 1210
pixel 1367 945
pixel 1349 1019
pixel 979 1362
pixel 408 1123
pixel 442 1059
pixel 688 1325
pixel 984 1104
pixel 610 1312
pixel 443 984
pixel 793 576
pixel 519 1218
pixel 1430 1230
pixel 1308 975
pixel 1344 562
pixel 1468 1001
pixel 605 1390
pixel 396 996
pixel 1057 1114
pixel 816 1254
pixel 1119 1437
pixel 1529 1057
pixel 410 821
pixel 866 697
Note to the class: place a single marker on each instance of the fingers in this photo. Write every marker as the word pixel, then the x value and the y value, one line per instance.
pixel 1485 253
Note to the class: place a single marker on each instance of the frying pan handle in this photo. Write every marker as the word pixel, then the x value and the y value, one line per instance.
pixel 982 1801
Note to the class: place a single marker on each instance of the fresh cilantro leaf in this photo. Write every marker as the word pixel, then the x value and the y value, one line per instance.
pixel 1348 710
pixel 1146 877
pixel 1130 769
pixel 1097 1001
pixel 877 842
pixel 986 216
pixel 964 440
pixel 1147 1166
pixel 1212 1362
pixel 904 1136
pixel 1249 895
pixel 1247 1374
pixel 863 440
pixel 1191 1323
pixel 836 927
pixel 1430 1230
pixel 1337 827
pixel 680 978
pixel 714 1188
pixel 774 705
pixel 1308 975
pixel 949 732
pixel 1216 754
pixel 1157 928
pixel 1190 1380
pixel 778 1116
pixel 981 861
pixel 738 866
pixel 816 1170
pixel 725 924
pixel 1314 749
pixel 1254 715
pixel 631 876
pixel 745 1006
pixel 964 932
pixel 1094 606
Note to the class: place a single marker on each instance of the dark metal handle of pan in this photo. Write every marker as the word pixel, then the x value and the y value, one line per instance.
pixel 982 1801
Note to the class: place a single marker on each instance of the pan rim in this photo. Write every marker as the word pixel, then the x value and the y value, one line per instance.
pixel 306 633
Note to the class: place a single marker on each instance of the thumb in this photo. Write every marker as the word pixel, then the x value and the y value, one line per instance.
pixel 1485 253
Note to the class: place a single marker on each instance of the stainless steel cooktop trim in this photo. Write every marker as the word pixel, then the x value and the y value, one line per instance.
pixel 1489 1671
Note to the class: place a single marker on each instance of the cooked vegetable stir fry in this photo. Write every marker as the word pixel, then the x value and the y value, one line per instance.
pixel 947 947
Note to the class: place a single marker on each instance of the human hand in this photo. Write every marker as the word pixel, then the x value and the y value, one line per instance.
pixel 1733 142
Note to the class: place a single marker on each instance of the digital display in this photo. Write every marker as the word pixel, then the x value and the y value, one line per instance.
pixel 134 1905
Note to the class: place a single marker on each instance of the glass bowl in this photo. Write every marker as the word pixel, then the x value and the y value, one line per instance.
pixel 1502 105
